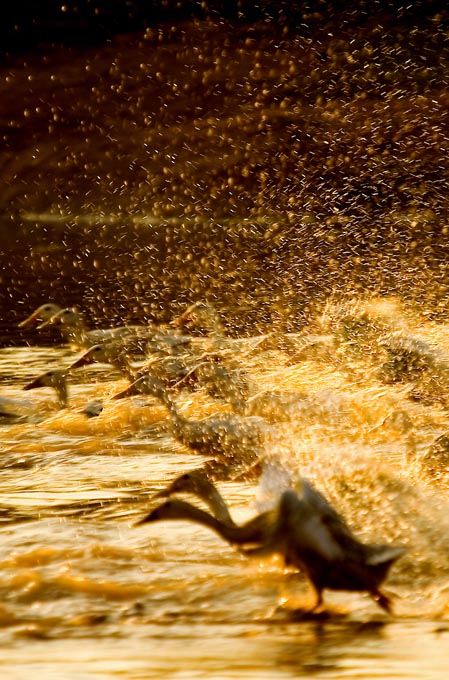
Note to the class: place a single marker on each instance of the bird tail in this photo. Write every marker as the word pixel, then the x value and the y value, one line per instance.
pixel 384 554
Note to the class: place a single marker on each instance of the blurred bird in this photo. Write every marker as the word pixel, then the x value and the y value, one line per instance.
pixel 222 379
pixel 311 536
pixel 227 438
pixel 305 530
pixel 75 331
pixel 57 380
pixel 113 353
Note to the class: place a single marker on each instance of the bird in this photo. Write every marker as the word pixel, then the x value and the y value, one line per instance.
pixel 171 369
pixel 57 379
pixel 306 531
pixel 409 359
pixel 255 531
pixel 112 353
pixel 75 331
pixel 196 482
pixel 41 315
pixel 228 438
pixel 200 318
pixel 223 380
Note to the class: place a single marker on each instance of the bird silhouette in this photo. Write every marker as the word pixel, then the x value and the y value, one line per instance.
pixel 56 379
pixel 304 529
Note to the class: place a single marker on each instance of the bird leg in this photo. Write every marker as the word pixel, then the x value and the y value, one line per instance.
pixel 382 600
pixel 319 599
pixel 305 613
pixel 250 471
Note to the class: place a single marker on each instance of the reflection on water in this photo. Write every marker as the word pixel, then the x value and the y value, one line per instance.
pixel 309 651
pixel 172 600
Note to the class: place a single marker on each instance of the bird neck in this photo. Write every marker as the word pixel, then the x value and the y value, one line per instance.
pixel 75 332
pixel 217 505
pixel 122 364
pixel 62 392
pixel 230 533
pixel 171 407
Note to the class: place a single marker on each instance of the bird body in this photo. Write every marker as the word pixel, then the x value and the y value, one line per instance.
pixel 320 543
pixel 224 437
pixel 221 381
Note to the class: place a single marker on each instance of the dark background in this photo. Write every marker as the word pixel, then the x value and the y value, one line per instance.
pixel 32 24
pixel 264 157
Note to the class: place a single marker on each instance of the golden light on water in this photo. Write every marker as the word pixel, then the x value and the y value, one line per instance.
pixel 74 565
pixel 285 171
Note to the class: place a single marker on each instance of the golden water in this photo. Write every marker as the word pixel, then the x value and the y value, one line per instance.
pixel 87 595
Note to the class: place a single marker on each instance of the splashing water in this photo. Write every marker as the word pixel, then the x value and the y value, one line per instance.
pixel 72 564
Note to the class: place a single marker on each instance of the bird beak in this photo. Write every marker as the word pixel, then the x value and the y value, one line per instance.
pixel 32 320
pixel 84 360
pixel 127 392
pixel 144 520
pixel 37 382
pixel 45 324
pixel 165 493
